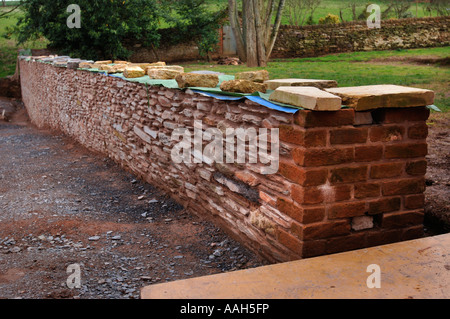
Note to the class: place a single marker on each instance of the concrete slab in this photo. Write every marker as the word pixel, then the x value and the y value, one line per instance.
pixel 320 84
pixel 308 97
pixel 411 269
pixel 369 97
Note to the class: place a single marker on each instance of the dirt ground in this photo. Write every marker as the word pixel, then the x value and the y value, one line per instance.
pixel 61 204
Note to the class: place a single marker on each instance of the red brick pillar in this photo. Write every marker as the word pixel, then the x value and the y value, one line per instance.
pixel 357 178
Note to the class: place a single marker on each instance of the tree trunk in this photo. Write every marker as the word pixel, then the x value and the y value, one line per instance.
pixel 251 38
pixel 256 39
pixel 237 31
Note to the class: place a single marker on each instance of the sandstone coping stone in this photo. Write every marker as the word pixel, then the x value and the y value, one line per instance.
pixel 320 84
pixel 369 97
pixel 255 76
pixel 162 74
pixel 307 97
pixel 133 72
pixel 103 62
pixel 177 68
pixel 185 80
pixel 242 86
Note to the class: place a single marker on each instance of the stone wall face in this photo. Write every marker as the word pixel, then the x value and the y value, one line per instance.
pixel 309 41
pixel 346 179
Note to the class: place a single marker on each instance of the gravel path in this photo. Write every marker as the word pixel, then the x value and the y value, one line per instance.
pixel 62 205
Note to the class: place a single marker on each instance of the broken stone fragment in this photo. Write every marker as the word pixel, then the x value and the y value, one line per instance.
pixel 133 72
pixel 369 97
pixel 117 68
pixel 242 86
pixel 86 65
pixel 121 62
pixel 306 97
pixel 144 66
pixel 73 64
pixel 255 76
pixel 185 80
pixel 320 84
pixel 178 68
pixel 162 74
pixel 103 62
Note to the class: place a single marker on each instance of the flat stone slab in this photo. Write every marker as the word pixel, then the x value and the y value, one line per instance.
pixel 320 84
pixel 410 269
pixel 307 97
pixel 369 97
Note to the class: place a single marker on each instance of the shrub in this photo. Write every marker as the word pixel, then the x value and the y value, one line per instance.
pixel 330 19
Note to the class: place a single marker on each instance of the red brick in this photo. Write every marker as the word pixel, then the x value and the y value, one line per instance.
pixel 386 133
pixel 302 176
pixel 290 241
pixel 415 201
pixel 418 131
pixel 348 174
pixel 382 237
pixel 416 168
pixel 312 248
pixel 314 177
pixel 403 187
pixel 413 233
pixel 368 153
pixel 291 171
pixel 367 190
pixel 384 205
pixel 315 138
pixel 290 208
pixel 326 229
pixel 347 210
pixel 345 243
pixel 342 192
pixel 313 214
pixel 297 230
pixel 291 134
pixel 306 195
pixel 406 150
pixel 322 157
pixel 399 115
pixel 402 219
pixel 386 170
pixel 300 136
pixel 348 135
pixel 306 118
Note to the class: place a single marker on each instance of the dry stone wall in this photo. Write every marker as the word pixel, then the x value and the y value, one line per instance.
pixel 345 179
pixel 316 40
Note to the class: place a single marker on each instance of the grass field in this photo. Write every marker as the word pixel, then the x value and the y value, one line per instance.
pixel 361 68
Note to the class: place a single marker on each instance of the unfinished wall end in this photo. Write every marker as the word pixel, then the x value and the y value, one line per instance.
pixel 346 179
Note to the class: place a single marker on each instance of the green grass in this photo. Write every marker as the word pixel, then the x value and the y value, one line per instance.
pixel 355 69
pixel 9 48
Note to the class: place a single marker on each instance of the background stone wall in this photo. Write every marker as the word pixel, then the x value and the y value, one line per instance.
pixel 346 179
pixel 316 40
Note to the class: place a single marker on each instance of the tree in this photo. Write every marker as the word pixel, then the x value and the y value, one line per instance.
pixel 298 11
pixel 193 20
pixel 104 26
pixel 255 38
pixel 442 7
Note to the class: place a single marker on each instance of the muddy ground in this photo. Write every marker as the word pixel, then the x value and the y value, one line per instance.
pixel 61 204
